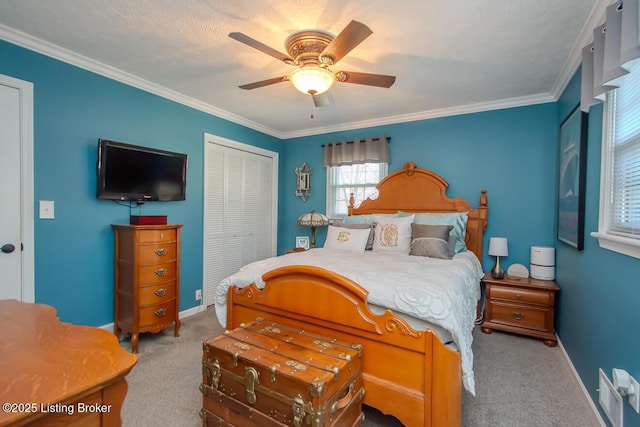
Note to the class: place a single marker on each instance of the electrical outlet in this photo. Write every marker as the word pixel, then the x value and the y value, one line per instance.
pixel 634 399
pixel 198 294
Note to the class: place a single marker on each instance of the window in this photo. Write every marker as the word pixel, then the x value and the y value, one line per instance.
pixel 619 225
pixel 360 179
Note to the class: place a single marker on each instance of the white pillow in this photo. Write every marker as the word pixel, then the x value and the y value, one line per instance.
pixel 347 239
pixel 392 234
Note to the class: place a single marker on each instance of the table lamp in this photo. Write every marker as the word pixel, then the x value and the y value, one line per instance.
pixel 497 248
pixel 313 219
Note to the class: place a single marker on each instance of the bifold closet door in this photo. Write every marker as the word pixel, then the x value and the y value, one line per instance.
pixel 239 212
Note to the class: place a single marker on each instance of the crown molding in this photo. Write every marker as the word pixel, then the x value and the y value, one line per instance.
pixel 56 52
pixel 429 114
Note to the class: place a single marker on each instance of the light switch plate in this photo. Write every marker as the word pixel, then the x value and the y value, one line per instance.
pixel 47 209
pixel 610 400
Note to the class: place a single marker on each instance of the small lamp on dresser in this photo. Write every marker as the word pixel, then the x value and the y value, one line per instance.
pixel 313 219
pixel 498 247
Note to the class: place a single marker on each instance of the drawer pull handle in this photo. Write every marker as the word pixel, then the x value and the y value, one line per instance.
pixel 517 316
pixel 161 312
pixel 162 235
pixel 518 296
pixel 161 272
pixel 161 292
pixel 161 252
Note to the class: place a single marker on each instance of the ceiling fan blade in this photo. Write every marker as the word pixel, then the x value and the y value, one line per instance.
pixel 262 83
pixel 242 38
pixel 379 80
pixel 321 100
pixel 352 35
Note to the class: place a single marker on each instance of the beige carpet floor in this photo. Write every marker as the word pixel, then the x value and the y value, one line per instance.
pixel 520 382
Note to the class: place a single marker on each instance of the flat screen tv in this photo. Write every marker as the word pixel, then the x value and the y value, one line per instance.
pixel 136 173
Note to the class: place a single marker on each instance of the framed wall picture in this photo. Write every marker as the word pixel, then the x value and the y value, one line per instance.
pixel 572 160
pixel 302 242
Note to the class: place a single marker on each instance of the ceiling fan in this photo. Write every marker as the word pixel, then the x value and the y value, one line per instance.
pixel 312 52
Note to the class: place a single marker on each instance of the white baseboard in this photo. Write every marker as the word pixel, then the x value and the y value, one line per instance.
pixel 182 315
pixel 584 389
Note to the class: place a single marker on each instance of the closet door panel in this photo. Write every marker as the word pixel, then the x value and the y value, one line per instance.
pixel 239 212
pixel 214 220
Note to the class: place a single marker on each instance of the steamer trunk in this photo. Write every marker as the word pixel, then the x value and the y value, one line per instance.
pixel 267 374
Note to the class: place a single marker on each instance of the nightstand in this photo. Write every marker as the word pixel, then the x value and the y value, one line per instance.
pixel 520 305
pixel 294 250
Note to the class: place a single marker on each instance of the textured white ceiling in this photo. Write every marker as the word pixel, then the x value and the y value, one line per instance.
pixel 449 56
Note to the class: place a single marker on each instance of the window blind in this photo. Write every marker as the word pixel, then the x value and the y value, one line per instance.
pixel 624 137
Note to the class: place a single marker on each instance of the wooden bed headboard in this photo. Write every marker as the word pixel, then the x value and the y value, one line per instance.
pixel 418 190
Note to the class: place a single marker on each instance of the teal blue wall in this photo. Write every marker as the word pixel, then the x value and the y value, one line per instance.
pixel 599 303
pixel 510 153
pixel 72 109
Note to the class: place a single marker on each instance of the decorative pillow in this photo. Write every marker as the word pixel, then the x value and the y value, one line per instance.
pixel 346 239
pixel 392 233
pixel 438 231
pixel 457 219
pixel 431 240
pixel 370 227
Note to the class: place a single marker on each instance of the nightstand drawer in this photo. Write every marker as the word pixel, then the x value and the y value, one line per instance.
pixel 519 316
pixel 520 295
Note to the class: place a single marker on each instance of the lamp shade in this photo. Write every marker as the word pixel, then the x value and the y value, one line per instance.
pixel 312 80
pixel 498 246
pixel 313 219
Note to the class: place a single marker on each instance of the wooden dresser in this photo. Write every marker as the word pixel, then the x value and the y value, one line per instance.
pixel 520 305
pixel 147 276
pixel 58 374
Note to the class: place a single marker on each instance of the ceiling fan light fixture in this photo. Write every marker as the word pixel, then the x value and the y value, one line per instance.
pixel 312 80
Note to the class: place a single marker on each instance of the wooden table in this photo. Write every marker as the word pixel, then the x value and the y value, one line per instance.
pixel 55 374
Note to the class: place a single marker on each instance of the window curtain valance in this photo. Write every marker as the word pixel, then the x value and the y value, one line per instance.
pixel 606 60
pixel 369 150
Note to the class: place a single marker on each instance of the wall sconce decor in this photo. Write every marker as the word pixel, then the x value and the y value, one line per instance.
pixel 303 183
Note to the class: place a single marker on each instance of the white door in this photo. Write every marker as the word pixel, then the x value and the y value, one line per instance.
pixel 240 217
pixel 16 218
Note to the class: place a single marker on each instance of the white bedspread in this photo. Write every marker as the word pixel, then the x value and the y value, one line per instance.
pixel 443 292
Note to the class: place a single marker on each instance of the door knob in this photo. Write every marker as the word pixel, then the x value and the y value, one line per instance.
pixel 7 248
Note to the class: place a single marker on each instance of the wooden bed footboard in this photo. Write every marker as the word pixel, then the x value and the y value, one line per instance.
pixel 407 373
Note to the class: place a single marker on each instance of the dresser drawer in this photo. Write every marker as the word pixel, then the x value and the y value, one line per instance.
pixel 519 316
pixel 158 294
pixel 157 253
pixel 157 274
pixel 522 295
pixel 161 313
pixel 160 236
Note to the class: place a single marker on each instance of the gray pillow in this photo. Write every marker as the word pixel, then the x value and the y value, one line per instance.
pixel 431 241
pixel 437 231
pixel 339 223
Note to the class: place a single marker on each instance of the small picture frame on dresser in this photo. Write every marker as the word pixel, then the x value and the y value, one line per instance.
pixel 302 242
